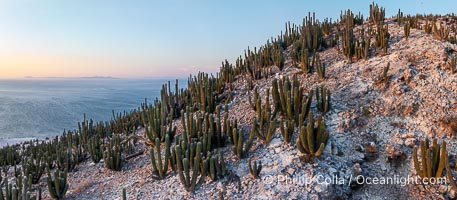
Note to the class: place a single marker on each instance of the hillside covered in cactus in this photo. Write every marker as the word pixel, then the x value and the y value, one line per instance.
pixel 305 116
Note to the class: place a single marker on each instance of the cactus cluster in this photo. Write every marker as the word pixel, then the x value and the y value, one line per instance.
pixel 216 166
pixel 190 181
pixel 194 150
pixel 159 166
pixel 206 127
pixel 289 98
pixel 377 14
pixel 113 154
pixel 382 37
pixel 440 33
pixel 203 91
pixel 264 124
pixel 33 168
pixel 240 148
pixel 287 129
pixel 348 43
pixel 96 149
pixel 312 140
pixel 20 190
pixel 350 20
pixel 428 27
pixel 399 18
pixel 57 184
pixel 324 99
pixel 255 168
pixel 62 153
pixel 432 159
pixel 157 122
pixel 351 46
pixel 407 29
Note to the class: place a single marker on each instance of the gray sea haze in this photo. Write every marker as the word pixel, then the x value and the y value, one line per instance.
pixel 39 108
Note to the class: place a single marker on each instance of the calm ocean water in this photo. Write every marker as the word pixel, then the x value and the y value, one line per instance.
pixel 38 108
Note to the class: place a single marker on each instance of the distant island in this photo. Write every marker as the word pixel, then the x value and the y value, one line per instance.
pixel 82 77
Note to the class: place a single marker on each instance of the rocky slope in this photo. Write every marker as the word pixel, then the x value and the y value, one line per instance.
pixel 372 128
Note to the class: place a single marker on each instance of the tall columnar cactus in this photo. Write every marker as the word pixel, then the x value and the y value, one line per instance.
pixel 317 65
pixel 362 47
pixel 407 29
pixel 428 27
pixel 305 64
pixel 66 161
pixel 219 136
pixel 57 184
pixel 265 123
pixel 287 129
pixel 255 105
pixel 432 161
pixel 113 154
pixel 265 135
pixel 452 64
pixel 124 194
pixel 216 167
pixel 255 168
pixel 312 140
pixel 382 37
pixel 33 168
pixel 159 168
pixel 241 149
pixel 348 43
pixel 288 97
pixel 96 149
pixel 278 57
pixel 312 33
pixel 399 17
pixel 158 122
pixel 190 181
pixel 377 14
pixel 324 99
pixel 22 190
pixel 441 33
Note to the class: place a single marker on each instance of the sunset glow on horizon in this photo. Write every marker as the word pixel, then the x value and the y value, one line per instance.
pixel 144 39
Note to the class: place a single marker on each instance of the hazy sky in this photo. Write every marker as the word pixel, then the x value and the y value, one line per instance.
pixel 153 38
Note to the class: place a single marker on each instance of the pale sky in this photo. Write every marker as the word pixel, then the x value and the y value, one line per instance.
pixel 139 39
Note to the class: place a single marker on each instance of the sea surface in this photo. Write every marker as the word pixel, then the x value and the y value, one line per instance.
pixel 40 108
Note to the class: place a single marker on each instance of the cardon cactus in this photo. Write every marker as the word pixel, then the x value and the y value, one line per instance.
pixel 57 185
pixel 33 168
pixel 159 168
pixel 241 149
pixel 216 167
pixel 432 161
pixel 190 181
pixel 287 129
pixel 255 168
pixel 113 155
pixel 312 140
pixel 95 149
pixel 324 99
